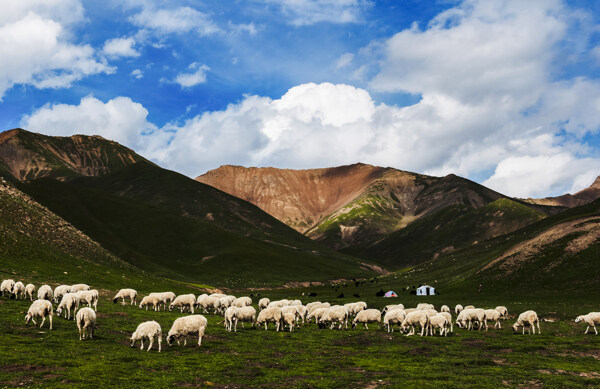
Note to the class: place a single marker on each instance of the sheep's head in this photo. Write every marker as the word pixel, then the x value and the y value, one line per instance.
pixel 28 318
pixel 171 307
pixel 58 311
pixel 170 339
pixel 579 318
pixel 115 300
pixel 515 327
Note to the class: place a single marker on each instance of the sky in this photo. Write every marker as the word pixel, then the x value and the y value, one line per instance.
pixel 506 92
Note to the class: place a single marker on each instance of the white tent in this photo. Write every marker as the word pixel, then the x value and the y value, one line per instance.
pixel 425 290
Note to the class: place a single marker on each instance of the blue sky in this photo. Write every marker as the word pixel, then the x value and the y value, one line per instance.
pixel 506 93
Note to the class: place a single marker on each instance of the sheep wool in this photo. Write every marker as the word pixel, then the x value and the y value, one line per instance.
pixel 39 308
pixel 86 321
pixel 29 291
pixel 45 293
pixel 186 326
pixel 527 319
pixel 591 319
pixel 123 294
pixel 147 330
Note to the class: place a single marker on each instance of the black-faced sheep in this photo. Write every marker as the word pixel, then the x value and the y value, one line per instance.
pixel 123 294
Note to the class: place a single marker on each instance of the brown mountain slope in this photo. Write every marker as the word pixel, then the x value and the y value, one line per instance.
pixel 568 200
pixel 27 156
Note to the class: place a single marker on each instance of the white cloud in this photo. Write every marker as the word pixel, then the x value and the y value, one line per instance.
pixel 119 119
pixel 198 76
pixel 35 47
pixel 307 12
pixel 178 20
pixel 137 73
pixel 344 60
pixel 120 47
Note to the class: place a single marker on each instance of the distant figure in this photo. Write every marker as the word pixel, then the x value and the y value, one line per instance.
pixel 480 286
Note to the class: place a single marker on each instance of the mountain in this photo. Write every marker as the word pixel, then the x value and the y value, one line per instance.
pixel 354 204
pixel 162 221
pixel 568 200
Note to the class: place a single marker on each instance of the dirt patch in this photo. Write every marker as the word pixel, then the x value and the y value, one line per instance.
pixel 375 268
pixel 586 374
pixel 419 351
pixel 479 343
pixel 29 368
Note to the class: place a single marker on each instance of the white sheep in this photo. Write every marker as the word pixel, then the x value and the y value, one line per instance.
pixel 458 309
pixel 493 315
pixel 164 298
pixel 293 310
pixel 263 303
pixel 417 317
pixel 470 307
pixel 354 308
pixel 230 317
pixel 186 326
pixel 392 307
pixel 268 315
pixel 86 320
pixel 448 317
pixel 45 293
pixel 295 302
pixel 310 305
pixel 79 287
pixel 316 314
pixel 393 316
pixel 445 308
pixel 150 300
pixel 439 322
pixel 29 291
pixel 503 311
pixel 149 330
pixel 336 314
pixel 314 307
pixel 39 308
pixel 424 306
pixel 88 296
pixel 68 302
pixel 60 291
pixel 288 318
pixel 205 301
pixel 184 301
pixel 126 294
pixel 7 287
pixel 222 303
pixel 591 319
pixel 367 316
pixel 279 303
pixel 527 319
pixel 409 310
pixel 302 311
pixel 19 290
pixel 244 314
pixel 471 316
pixel 242 302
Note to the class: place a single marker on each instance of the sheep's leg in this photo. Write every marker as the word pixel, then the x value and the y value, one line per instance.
pixel 200 338
pixel 595 330
pixel 540 332
pixel 43 320
pixel 366 326
pixel 586 330
pixel 159 342
pixel 142 346
pixel 185 342
pixel 151 342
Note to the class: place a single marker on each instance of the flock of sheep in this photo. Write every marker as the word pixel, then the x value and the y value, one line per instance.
pixel 285 314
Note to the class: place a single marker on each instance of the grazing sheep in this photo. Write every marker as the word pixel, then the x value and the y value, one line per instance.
pixel 79 287
pixel 263 303
pixel 222 303
pixel 445 308
pixel 448 317
pixel 184 301
pixel 291 310
pixel 60 291
pixel 150 300
pixel 314 307
pixel 354 308
pixel 458 309
pixel 86 320
pixel 29 291
pixel 469 307
pixel 7 287
pixel 185 326
pixel 242 302
pixel 302 311
pixel 230 317
pixel 164 298
pixel 409 310
pixel 279 303
pixel 367 316
pixel 68 302
pixel 245 314
pixel 267 315
pixel 88 296
pixel 394 316
pixel 469 317
pixel 316 314
pixel 417 317
pixel 527 319
pixel 148 329
pixel 424 306
pixel 126 294
pixel 310 305
pixel 336 314
pixel 206 302
pixel 392 307
pixel 591 319
pixel 503 311
pixel 493 315
pixel 45 293
pixel 288 318
pixel 439 322
pixel 19 290
pixel 295 302
pixel 39 308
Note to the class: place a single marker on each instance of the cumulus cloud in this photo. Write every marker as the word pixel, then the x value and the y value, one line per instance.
pixel 119 119
pixel 120 47
pixel 198 76
pixel 178 20
pixel 35 45
pixel 137 73
pixel 307 12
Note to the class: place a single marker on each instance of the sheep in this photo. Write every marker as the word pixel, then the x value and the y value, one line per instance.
pixel 439 322
pixel 316 314
pixel 448 317
pixel 230 317
pixel 468 317
pixel 68 302
pixel 279 303
pixel 45 293
pixel 205 302
pixel 415 318
pixel 184 301
pixel 222 303
pixel 292 310
pixel 392 307
pixel 458 309
pixel 150 300
pixel 29 291
pixel 60 291
pixel 503 311
pixel 88 296
pixel 312 308
pixel 423 306
pixel 242 302
pixel 591 319
pixel 445 308
pixel 409 310
pixel 493 315
pixel 7 287
pixel 263 303
pixel 124 294
pixel 217 295
pixel 336 314
pixel 354 308
pixel 39 308
pixel 19 290
pixel 469 307
pixel 164 298
pixel 245 314
pixel 367 316
pixel 288 318
pixel 86 320
pixel 302 311
pixel 185 326
pixel 527 319
pixel 295 302
pixel 310 305
pixel 147 329
pixel 79 287
pixel 272 314
pixel 394 316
